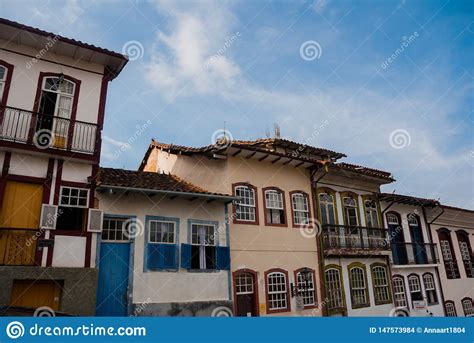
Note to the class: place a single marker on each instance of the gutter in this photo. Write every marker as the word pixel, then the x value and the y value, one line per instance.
pixel 226 198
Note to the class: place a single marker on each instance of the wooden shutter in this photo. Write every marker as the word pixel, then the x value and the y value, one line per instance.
pixel 186 256
pixel 161 256
pixel 21 207
pixel 49 215
pixel 95 220
pixel 223 258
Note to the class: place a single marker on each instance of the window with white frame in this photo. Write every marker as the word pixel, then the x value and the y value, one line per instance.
pixel 3 78
pixel 467 307
pixel 244 284
pixel 275 209
pixel 466 255
pixel 277 291
pixel 450 309
pixel 392 219
pixel 203 250
pixel 245 206
pixel 300 205
pixel 161 232
pixel 114 229
pixel 73 204
pixel 371 213
pixel 380 284
pixel 412 219
pixel 327 208
pixel 415 288
pixel 430 289
pixel 334 289
pixel 358 287
pixel 399 292
pixel 305 285
pixel 446 250
pixel 450 263
pixel 350 211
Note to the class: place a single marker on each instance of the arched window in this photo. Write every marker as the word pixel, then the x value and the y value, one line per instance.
pixel 300 208
pixel 371 213
pixel 467 307
pixel 449 259
pixel 245 208
pixel 466 252
pixel 334 289
pixel 397 239
pixel 430 289
pixel 275 213
pixel 415 288
pixel 277 291
pixel 327 208
pixel 358 285
pixel 450 308
pixel 399 293
pixel 381 284
pixel 349 204
pixel 305 284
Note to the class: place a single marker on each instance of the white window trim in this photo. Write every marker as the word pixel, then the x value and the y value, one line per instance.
pixel 206 243
pixel 127 240
pixel 309 290
pixel 279 194
pixel 254 206
pixel 161 221
pixel 295 211
pixel 285 291
pixel 79 189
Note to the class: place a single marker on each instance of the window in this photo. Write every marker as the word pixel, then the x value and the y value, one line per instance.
pixel 245 207
pixel 114 229
pixel 274 207
pixel 450 264
pixel 371 213
pixel 392 219
pixel 334 288
pixel 3 79
pixel 203 252
pixel 467 307
pixel 466 253
pixel 73 204
pixel 415 288
pixel 350 211
pixel 450 309
pixel 399 291
pixel 380 284
pixel 327 208
pixel 277 291
pixel 358 285
pixel 55 107
pixel 300 206
pixel 244 284
pixel 412 219
pixel 305 285
pixel 161 243
pixel 430 289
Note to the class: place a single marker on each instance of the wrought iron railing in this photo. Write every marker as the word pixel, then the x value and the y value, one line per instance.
pixel 354 237
pixel 46 131
pixel 414 253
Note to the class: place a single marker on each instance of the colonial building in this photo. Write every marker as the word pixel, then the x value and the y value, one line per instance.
pixel 355 252
pixel 452 230
pixel 164 249
pixel 52 99
pixel 415 276
pixel 274 250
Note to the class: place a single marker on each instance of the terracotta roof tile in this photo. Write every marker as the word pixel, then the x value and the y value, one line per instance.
pixel 407 199
pixel 365 170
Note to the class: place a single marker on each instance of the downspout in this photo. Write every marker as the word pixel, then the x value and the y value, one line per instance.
pixel 431 240
pixel 319 240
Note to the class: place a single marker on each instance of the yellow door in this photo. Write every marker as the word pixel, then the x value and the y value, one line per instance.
pixel 21 207
pixel 28 293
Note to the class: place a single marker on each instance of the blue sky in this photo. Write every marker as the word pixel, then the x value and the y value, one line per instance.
pixel 200 64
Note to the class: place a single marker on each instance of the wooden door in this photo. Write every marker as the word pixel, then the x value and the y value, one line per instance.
pixel 245 294
pixel 36 293
pixel 21 207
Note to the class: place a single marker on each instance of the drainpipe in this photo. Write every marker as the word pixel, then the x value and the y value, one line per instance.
pixel 319 240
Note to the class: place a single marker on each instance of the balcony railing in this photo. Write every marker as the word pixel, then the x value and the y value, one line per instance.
pixel 414 253
pixel 17 247
pixel 46 131
pixel 354 238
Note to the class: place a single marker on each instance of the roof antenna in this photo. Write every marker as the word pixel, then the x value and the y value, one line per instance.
pixel 277 131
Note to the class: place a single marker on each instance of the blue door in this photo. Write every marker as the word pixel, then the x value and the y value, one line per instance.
pixel 113 279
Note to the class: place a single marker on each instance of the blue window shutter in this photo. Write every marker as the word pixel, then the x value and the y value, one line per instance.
pixel 223 258
pixel 161 256
pixel 186 256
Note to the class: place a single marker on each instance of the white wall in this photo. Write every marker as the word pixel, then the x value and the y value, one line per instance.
pixel 164 286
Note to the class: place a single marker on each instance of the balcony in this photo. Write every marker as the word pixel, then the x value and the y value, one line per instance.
pixel 414 253
pixel 353 240
pixel 43 132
